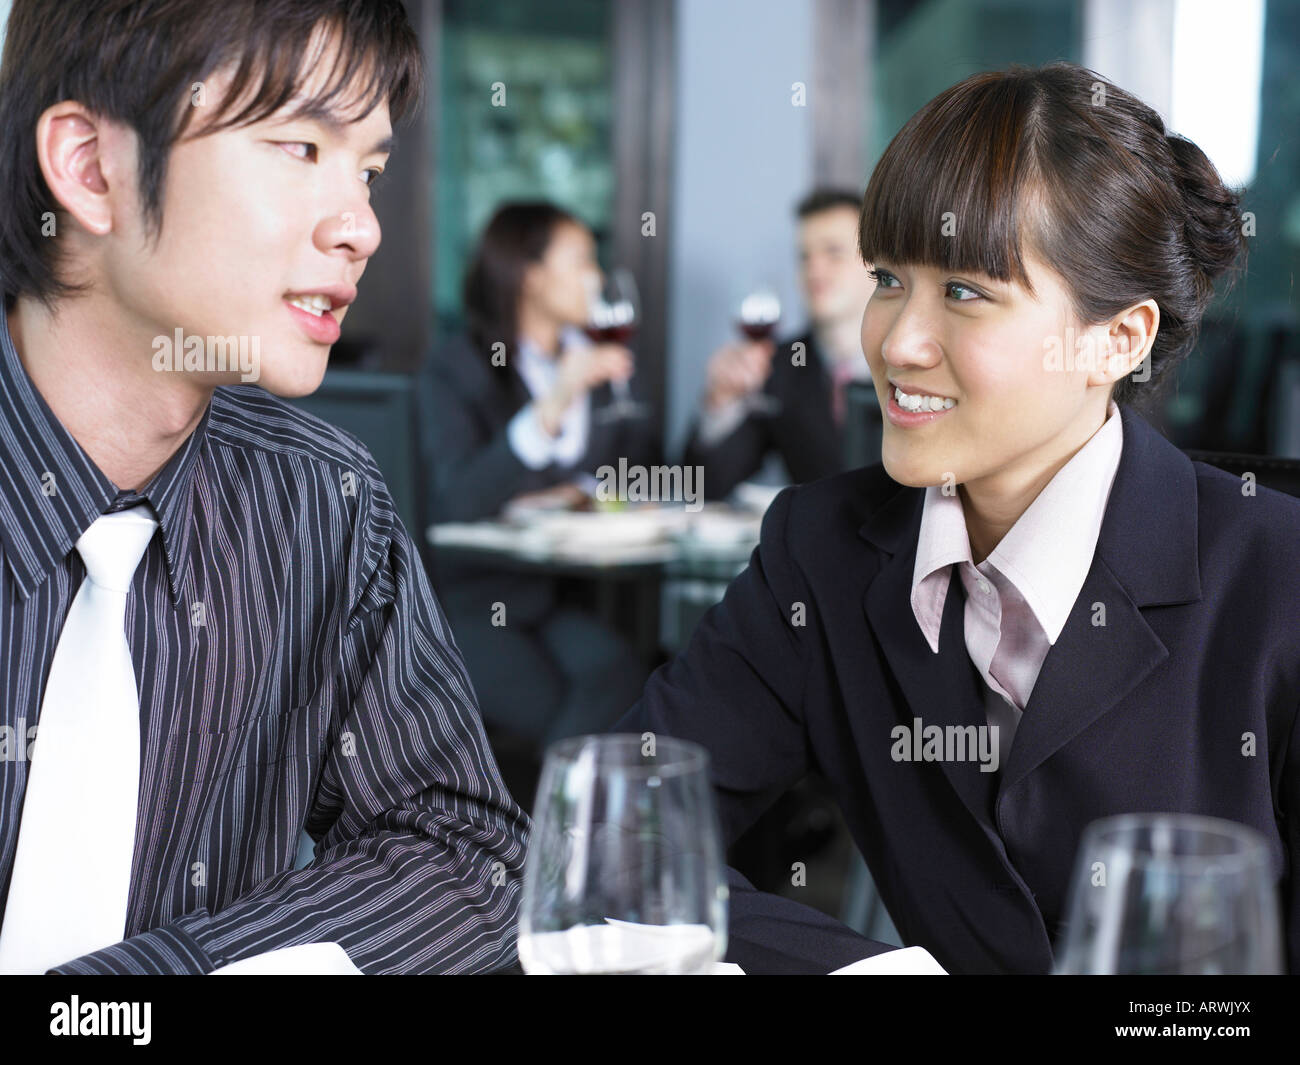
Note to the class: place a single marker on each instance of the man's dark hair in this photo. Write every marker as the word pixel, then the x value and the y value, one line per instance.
pixel 825 199
pixel 139 62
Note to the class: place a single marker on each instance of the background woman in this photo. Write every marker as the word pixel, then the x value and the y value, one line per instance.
pixel 513 409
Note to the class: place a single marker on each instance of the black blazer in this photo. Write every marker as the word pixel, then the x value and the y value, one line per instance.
pixel 464 407
pixel 1201 645
pixel 802 432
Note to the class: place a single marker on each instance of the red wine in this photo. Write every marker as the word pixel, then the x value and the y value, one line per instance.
pixel 758 330
pixel 609 334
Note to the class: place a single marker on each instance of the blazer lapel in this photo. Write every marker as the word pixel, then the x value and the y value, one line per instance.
pixel 940 689
pixel 1146 556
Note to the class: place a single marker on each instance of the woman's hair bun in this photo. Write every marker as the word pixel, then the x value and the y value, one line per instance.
pixel 1212 226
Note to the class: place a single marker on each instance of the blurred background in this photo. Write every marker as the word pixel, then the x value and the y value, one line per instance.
pixel 688 109
pixel 685 135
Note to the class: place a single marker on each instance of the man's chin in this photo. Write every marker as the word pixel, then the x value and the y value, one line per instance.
pixel 294 375
pixel 291 386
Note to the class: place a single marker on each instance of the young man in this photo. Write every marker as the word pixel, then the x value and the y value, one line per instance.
pixel 209 611
pixel 803 379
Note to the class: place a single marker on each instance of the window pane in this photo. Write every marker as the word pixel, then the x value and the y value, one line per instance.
pixel 524 112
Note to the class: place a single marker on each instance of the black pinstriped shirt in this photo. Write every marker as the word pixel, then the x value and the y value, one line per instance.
pixel 295 671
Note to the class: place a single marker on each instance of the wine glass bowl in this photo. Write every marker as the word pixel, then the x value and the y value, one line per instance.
pixel 758 313
pixel 624 869
pixel 1172 893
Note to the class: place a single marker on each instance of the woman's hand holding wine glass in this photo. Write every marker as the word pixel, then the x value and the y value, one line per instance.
pixel 581 369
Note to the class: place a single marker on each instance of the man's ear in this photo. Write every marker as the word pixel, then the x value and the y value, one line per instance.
pixel 83 160
pixel 1128 340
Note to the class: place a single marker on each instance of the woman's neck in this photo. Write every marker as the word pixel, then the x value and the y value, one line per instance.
pixel 541 330
pixel 993 504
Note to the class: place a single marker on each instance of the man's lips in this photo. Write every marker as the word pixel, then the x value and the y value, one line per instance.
pixel 322 328
pixel 339 295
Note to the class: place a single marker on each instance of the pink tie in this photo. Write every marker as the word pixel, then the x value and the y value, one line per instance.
pixel 840 378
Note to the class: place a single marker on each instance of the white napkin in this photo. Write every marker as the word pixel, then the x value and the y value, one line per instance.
pixel 909 961
pixel 306 959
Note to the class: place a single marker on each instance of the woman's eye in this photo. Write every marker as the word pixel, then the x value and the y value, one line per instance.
pixel 957 286
pixel 374 173
pixel 882 278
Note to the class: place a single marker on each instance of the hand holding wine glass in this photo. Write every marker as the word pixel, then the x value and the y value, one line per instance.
pixel 580 369
pixel 737 371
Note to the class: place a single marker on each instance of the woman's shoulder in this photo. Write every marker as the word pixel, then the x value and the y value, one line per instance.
pixel 1247 528
pixel 455 352
pixel 458 369
pixel 827 516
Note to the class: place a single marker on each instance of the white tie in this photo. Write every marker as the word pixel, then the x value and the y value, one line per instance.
pixel 72 868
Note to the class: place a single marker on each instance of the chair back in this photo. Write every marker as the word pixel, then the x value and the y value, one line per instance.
pixel 1272 471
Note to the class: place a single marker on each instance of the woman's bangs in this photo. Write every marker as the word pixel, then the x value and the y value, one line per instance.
pixel 946 191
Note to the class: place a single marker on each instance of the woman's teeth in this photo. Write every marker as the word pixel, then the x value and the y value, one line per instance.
pixel 922 402
pixel 316 305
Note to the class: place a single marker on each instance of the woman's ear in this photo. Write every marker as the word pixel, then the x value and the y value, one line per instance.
pixel 81 158
pixel 1128 341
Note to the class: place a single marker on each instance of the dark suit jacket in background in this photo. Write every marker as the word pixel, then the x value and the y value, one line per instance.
pixel 1201 645
pixel 465 405
pixel 803 432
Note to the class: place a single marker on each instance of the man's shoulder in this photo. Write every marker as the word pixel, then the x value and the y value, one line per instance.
pixel 251 418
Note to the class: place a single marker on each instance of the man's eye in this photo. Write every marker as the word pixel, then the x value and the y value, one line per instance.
pixel 883 278
pixel 308 153
pixel 374 173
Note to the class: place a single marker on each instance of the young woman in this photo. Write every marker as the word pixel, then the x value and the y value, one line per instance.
pixel 518 406
pixel 1030 555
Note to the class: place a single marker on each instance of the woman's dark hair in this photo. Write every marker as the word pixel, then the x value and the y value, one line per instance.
pixel 517 236
pixel 1084 172
pixel 140 62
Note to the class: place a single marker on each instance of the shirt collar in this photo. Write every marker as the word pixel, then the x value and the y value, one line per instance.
pixel 51 491
pixel 1046 554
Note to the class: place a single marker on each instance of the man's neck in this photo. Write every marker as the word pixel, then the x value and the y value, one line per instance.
pixel 99 381
pixel 840 340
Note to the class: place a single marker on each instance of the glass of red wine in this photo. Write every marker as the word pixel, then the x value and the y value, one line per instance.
pixel 613 314
pixel 757 316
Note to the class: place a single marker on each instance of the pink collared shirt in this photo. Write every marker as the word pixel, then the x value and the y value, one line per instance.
pixel 1017 599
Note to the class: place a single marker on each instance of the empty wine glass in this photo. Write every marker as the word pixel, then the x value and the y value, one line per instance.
pixel 1172 893
pixel 624 871
pixel 613 314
